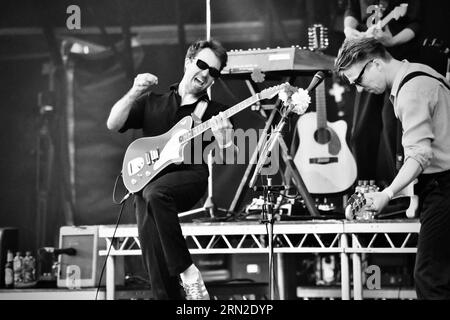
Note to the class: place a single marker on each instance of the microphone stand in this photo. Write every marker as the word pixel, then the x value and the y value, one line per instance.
pixel 276 136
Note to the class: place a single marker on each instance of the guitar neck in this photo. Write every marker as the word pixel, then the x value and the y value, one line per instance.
pixel 196 131
pixel 321 108
pixel 386 20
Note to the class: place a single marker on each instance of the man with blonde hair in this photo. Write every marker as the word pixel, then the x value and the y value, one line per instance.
pixel 421 101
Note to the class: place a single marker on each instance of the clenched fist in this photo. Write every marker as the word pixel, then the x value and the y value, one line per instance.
pixel 142 82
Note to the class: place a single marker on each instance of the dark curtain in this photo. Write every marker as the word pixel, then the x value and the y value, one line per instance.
pixel 99 81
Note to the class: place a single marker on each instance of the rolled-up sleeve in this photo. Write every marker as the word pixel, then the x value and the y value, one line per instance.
pixel 414 14
pixel 136 115
pixel 415 108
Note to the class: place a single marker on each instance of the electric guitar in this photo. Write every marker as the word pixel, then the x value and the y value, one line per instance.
pixel 375 18
pixel 357 202
pixel 146 157
pixel 323 158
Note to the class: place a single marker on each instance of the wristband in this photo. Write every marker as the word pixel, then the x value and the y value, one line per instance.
pixel 388 191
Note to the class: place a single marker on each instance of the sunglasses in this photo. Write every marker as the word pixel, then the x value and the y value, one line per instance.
pixel 361 74
pixel 203 66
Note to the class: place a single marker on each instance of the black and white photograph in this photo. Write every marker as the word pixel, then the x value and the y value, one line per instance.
pixel 258 155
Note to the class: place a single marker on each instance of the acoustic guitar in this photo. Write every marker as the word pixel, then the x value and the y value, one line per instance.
pixel 323 158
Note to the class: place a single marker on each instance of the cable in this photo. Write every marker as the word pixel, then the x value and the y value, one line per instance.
pixel 114 191
pixel 112 239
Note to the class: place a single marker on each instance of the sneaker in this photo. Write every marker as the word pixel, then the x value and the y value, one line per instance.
pixel 196 290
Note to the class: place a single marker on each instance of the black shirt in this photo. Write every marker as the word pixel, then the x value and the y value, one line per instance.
pixel 157 113
pixel 358 10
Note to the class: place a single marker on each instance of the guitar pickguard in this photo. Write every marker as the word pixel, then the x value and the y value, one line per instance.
pixel 171 152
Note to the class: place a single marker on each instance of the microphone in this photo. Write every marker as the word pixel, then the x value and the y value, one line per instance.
pixel 273 188
pixel 316 80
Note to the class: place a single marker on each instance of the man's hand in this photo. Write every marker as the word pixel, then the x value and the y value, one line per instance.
pixel 142 82
pixel 383 36
pixel 351 33
pixel 222 129
pixel 376 201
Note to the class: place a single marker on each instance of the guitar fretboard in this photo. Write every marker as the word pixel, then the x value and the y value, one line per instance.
pixel 321 108
pixel 194 132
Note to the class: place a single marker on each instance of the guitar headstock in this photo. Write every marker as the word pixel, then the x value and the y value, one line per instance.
pixel 357 201
pixel 271 92
pixel 354 205
pixel 400 11
pixel 318 37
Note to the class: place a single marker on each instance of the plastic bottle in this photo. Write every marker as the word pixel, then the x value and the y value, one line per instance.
pixel 32 267
pixel 17 267
pixel 25 266
pixel 365 186
pixel 358 188
pixel 9 271
pixel 28 269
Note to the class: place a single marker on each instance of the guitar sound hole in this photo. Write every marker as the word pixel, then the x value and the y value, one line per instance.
pixel 322 136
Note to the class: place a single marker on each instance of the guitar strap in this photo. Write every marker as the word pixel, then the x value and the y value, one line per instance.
pixel 199 112
pixel 409 76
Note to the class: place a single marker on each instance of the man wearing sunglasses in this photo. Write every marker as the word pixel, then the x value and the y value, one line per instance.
pixel 179 187
pixel 421 101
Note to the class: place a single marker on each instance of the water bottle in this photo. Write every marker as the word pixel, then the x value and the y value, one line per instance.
pixel 9 270
pixel 17 268
pixel 28 268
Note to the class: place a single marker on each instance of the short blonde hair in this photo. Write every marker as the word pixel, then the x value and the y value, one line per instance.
pixel 356 50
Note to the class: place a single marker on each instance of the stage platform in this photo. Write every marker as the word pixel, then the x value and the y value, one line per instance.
pixel 348 238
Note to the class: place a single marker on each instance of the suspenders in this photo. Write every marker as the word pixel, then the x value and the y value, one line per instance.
pixel 399 154
pixel 414 74
pixel 199 111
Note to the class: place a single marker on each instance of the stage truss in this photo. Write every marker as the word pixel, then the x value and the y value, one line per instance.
pixel 319 236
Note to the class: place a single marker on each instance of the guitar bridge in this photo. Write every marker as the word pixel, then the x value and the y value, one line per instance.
pixel 323 160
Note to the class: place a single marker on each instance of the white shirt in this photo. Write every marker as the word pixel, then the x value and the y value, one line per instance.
pixel 423 107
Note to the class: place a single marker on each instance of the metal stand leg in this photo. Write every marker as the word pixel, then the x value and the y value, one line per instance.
pixel 357 277
pixel 280 275
pixel 243 186
pixel 110 271
pixel 209 203
pixel 345 273
pixel 271 261
pixel 298 181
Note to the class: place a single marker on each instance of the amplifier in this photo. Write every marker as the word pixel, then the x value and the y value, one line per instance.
pixel 83 268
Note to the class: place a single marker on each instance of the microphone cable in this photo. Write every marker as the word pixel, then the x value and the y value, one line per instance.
pixel 122 203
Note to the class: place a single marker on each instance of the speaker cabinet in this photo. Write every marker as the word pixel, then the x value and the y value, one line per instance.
pixel 84 267
pixel 9 240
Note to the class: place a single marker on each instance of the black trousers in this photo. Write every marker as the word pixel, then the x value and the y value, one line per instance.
pixel 164 250
pixel 374 137
pixel 432 266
